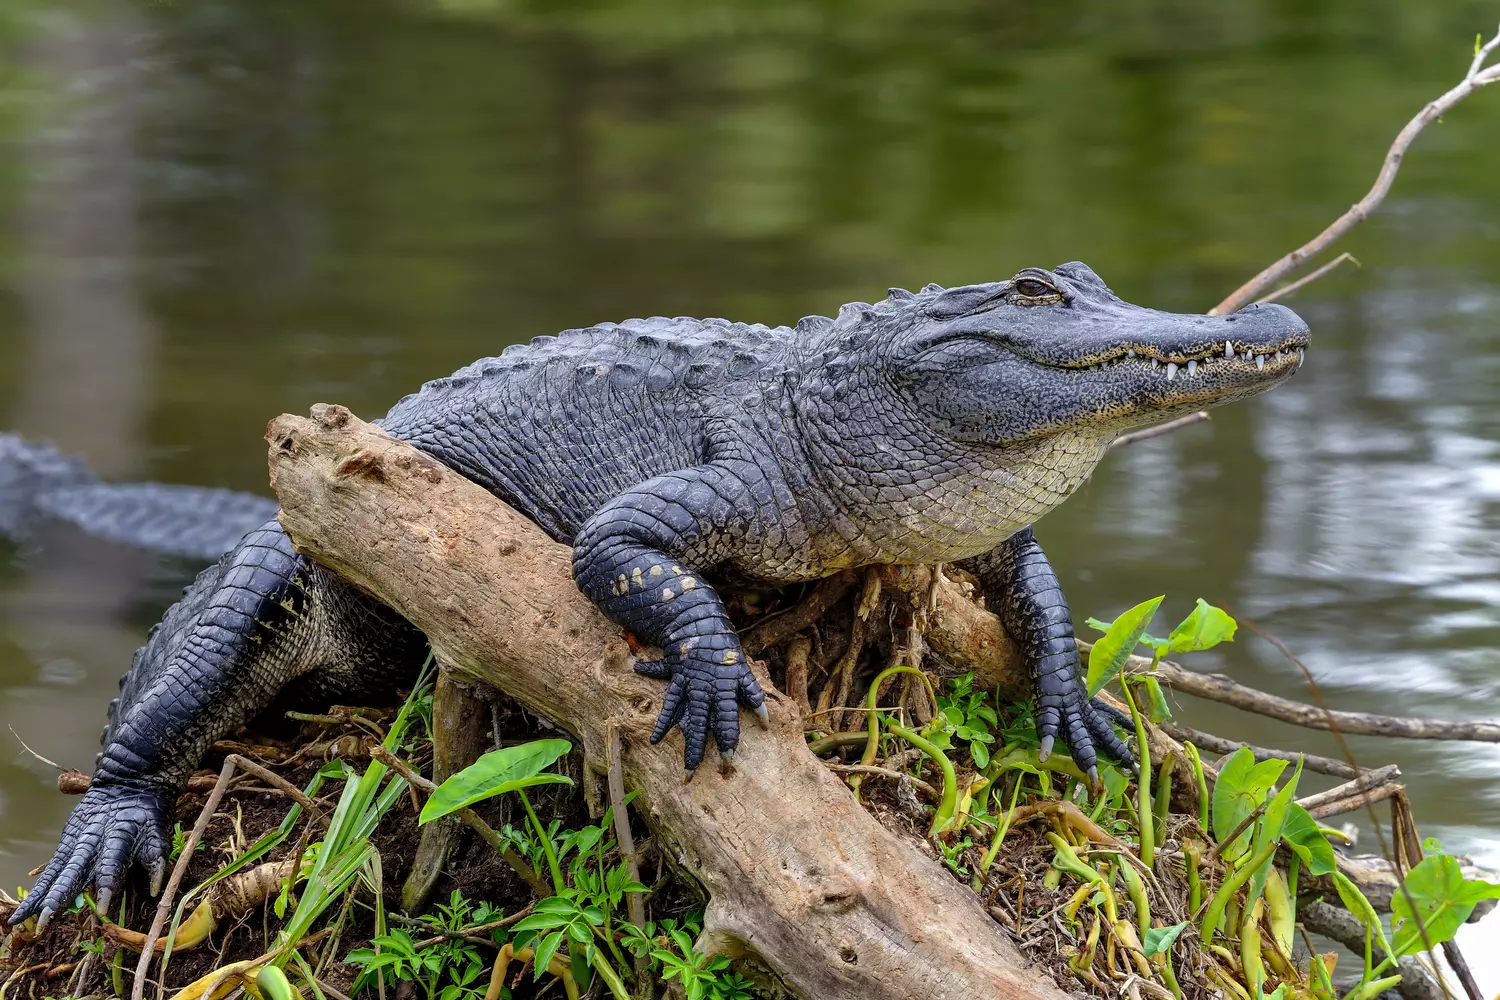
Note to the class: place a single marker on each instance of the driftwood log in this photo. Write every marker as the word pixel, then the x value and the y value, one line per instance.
pixel 796 872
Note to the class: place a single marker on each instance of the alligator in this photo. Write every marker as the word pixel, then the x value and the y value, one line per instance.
pixel 931 427
pixel 40 484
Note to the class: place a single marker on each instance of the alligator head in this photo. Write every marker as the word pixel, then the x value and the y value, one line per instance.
pixel 970 412
pixel 1055 350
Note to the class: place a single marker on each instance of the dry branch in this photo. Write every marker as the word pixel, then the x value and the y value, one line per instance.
pixel 1477 76
pixel 796 871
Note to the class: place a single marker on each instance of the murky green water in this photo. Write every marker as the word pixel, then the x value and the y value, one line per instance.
pixel 217 211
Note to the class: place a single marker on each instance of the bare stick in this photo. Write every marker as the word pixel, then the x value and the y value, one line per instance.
pixel 1364 782
pixel 1357 800
pixel 1150 432
pixel 635 903
pixel 1220 745
pixel 164 907
pixel 1308 279
pixel 1226 691
pixel 1478 76
pixel 882 772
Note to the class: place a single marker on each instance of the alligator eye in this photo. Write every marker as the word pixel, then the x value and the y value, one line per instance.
pixel 1031 288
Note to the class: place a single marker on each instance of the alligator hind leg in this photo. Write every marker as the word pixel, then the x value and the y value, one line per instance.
pixel 260 617
pixel 1021 587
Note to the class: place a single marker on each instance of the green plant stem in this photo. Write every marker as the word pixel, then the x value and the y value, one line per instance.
pixel 1145 805
pixel 1000 831
pixel 949 800
pixel 872 743
pixel 1194 879
pixel 1137 892
pixel 1164 794
pixel 1202 787
pixel 607 973
pixel 1215 913
pixel 558 885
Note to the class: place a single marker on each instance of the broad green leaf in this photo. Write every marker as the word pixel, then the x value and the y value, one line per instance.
pixel 1444 899
pixel 980 753
pixel 1159 939
pixel 1305 838
pixel 1116 645
pixel 544 952
pixel 1240 789
pixel 1271 826
pixel 1205 628
pixel 1356 903
pixel 1160 710
pixel 1147 639
pixel 496 773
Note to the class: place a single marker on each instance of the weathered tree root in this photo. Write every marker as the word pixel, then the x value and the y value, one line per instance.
pixel 833 904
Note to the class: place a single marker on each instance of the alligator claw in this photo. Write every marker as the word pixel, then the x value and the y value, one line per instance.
pixel 704 695
pixel 113 827
pixel 1085 724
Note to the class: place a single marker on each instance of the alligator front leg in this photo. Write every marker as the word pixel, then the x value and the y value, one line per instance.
pixel 1021 587
pixel 260 617
pixel 636 558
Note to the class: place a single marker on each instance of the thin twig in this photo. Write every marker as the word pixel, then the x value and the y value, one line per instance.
pixel 1477 76
pixel 169 894
pixel 1226 691
pixel 1146 433
pixel 1364 783
pixel 883 772
pixel 44 760
pixel 1220 745
pixel 288 789
pixel 1307 279
pixel 635 903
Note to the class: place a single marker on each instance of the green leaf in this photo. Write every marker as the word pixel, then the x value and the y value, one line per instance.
pixel 496 773
pixel 1205 628
pixel 1160 710
pixel 1115 646
pixel 1159 939
pixel 1444 899
pixel 1478 42
pixel 544 952
pixel 1304 837
pixel 1241 788
pixel 1356 903
pixel 980 753
pixel 1271 826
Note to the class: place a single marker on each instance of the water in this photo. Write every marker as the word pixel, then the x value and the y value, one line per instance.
pixel 217 211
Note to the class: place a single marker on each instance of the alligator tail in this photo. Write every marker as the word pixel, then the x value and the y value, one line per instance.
pixel 39 483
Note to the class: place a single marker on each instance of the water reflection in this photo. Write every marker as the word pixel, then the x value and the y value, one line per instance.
pixel 223 210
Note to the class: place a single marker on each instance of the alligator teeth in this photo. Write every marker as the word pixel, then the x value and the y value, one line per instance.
pixel 1249 354
pixel 1155 364
pixel 1301 354
pixel 1228 351
pixel 1192 367
pixel 1260 362
pixel 1130 353
pixel 1171 370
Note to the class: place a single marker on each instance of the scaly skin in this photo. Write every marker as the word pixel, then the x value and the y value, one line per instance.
pixel 38 482
pixel 931 427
